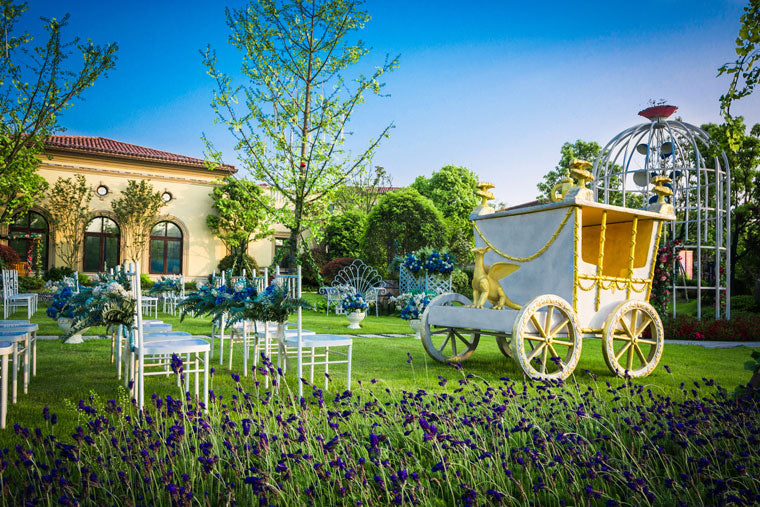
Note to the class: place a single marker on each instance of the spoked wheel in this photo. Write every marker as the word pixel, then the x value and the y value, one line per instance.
pixel 448 344
pixel 633 339
pixel 546 338
pixel 505 346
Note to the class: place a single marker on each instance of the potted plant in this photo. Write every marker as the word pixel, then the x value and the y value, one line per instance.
pixel 62 314
pixel 354 306
pixel 412 307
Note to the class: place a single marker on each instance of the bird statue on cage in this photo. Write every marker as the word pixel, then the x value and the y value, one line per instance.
pixel 485 282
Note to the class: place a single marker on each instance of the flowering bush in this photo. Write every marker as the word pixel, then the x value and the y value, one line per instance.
pixel 507 443
pixel 353 303
pixel 742 327
pixel 663 275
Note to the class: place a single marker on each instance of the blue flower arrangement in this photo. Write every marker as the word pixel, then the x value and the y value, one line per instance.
pixel 353 303
pixel 439 263
pixel 412 263
pixel 60 299
pixel 436 262
pixel 166 285
pixel 416 305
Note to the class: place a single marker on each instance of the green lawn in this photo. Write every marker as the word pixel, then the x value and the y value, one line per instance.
pixel 68 373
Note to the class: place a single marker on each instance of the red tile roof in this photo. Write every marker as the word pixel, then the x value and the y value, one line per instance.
pixel 86 144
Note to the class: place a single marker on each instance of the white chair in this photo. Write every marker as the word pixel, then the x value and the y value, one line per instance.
pixel 20 352
pixel 24 325
pixel 150 305
pixel 149 352
pixel 11 297
pixel 172 299
pixel 6 349
pixel 300 341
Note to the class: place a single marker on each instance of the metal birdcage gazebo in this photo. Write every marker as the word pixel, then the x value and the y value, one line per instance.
pixel 701 198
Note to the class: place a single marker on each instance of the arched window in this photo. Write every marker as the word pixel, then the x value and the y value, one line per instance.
pixel 101 244
pixel 30 223
pixel 166 249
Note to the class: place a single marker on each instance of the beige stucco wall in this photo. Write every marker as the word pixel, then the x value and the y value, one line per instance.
pixel 189 207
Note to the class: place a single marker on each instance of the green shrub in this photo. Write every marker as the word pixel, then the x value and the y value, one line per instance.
pixel 246 262
pixel 343 234
pixel 745 304
pixel 146 282
pixel 191 286
pixel 461 282
pixel 30 283
pixel 403 221
pixel 57 274
pixel 84 279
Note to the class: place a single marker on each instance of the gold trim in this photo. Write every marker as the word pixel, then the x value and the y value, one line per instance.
pixel 577 255
pixel 600 263
pixel 632 255
pixel 655 253
pixel 535 255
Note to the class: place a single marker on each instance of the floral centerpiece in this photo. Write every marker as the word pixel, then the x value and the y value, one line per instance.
pixel 431 261
pixel 108 304
pixel 241 301
pixel 354 306
pixel 412 305
pixel 166 286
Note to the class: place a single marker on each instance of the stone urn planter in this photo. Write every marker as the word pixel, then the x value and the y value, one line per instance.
pixel 65 324
pixel 416 325
pixel 354 318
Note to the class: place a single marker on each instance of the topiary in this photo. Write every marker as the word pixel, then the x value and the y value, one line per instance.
pixel 332 268
pixel 246 262
pixel 146 282
pixel 8 255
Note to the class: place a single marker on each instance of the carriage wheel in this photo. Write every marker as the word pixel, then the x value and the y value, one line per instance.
pixel 546 338
pixel 633 339
pixel 505 346
pixel 448 344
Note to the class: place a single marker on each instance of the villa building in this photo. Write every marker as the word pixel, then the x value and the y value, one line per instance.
pixel 179 242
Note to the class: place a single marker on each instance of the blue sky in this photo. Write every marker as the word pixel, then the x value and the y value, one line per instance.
pixel 494 86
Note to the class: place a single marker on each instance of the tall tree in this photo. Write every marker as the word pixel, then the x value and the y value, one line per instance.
pixel 136 211
pixel 290 128
pixel 402 222
pixel 362 191
pixel 452 190
pixel 744 71
pixel 581 150
pixel 36 85
pixel 745 195
pixel 239 217
pixel 69 207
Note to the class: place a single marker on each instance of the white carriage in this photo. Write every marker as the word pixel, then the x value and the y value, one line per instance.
pixel 551 274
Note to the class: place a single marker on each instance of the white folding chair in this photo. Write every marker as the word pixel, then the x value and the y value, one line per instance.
pixel 300 341
pixel 11 297
pixel 6 349
pixel 25 325
pixel 154 349
pixel 20 352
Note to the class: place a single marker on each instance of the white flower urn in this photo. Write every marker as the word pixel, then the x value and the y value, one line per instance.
pixel 416 325
pixel 65 324
pixel 354 318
